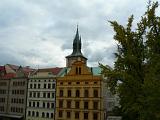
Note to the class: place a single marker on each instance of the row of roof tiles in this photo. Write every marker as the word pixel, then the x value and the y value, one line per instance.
pixel 5 74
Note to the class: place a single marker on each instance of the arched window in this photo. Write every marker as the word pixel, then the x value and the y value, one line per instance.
pixel 52 115
pixel 43 115
pixel 37 114
pixel 48 105
pixel 47 115
pixel 33 113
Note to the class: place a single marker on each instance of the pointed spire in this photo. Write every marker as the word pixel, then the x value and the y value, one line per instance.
pixel 77 34
pixel 80 44
pixel 76 41
pixel 77 45
pixel 76 54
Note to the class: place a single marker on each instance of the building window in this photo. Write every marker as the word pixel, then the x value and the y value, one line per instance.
pixel 85 105
pixel 77 93
pixel 52 105
pixel 37 104
pixel 69 93
pixel 76 70
pixel 37 114
pixel 44 85
pixel 68 104
pixel 33 113
pixel 86 83
pixel 69 83
pixel 77 83
pixel 21 110
pixel 61 93
pixel 44 95
pixel 60 103
pixel 34 94
pixel 48 95
pixel 38 95
pixel 61 83
pixel 86 93
pixel 39 86
pixel 79 70
pixel 52 115
pixel 33 104
pixel 52 95
pixel 43 104
pixel 35 86
pixel 30 85
pixel 29 113
pixel 77 104
pixel 47 115
pixel 60 113
pixel 30 94
pixel 95 105
pixel 43 115
pixel 48 105
pixel 53 86
pixel 95 116
pixel 22 101
pixel 49 86
pixel 95 82
pixel 85 115
pixel 76 115
pixel 68 114
pixel 95 93
pixel 29 104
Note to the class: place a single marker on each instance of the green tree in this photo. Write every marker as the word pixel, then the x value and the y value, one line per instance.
pixel 136 74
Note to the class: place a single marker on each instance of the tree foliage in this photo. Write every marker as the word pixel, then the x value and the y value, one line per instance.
pixel 136 74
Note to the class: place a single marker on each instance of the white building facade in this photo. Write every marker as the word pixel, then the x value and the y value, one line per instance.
pixel 41 95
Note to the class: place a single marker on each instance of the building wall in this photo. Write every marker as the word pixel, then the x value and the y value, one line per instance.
pixel 17 96
pixel 41 98
pixel 109 102
pixel 67 107
pixel 4 85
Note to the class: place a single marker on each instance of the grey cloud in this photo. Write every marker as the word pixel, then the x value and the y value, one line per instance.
pixel 25 26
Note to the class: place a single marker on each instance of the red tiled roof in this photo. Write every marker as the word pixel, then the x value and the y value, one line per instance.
pixel 8 76
pixel 55 71
pixel 14 67
pixel 2 68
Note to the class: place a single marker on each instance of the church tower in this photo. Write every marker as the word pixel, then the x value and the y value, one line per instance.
pixel 76 54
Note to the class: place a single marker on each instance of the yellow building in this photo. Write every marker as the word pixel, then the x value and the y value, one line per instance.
pixel 78 91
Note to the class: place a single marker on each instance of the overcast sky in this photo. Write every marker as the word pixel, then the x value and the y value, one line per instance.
pixel 39 33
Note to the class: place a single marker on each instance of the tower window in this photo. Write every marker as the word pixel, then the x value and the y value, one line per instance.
pixel 79 70
pixel 76 70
